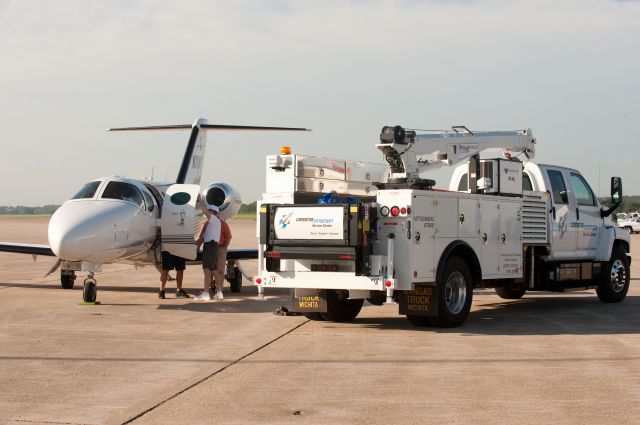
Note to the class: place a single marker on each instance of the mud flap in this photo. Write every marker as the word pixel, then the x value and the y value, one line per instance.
pixel 422 301
pixel 308 301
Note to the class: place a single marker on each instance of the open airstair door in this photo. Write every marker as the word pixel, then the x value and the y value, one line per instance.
pixel 178 222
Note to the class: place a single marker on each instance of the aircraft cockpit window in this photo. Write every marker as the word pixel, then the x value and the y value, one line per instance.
pixel 123 191
pixel 87 191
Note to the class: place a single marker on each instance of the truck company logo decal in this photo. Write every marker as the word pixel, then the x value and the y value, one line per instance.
pixel 285 220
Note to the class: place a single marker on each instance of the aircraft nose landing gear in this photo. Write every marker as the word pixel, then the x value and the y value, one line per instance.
pixel 90 291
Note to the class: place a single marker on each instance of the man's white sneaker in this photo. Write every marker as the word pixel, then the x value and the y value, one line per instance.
pixel 204 296
pixel 219 296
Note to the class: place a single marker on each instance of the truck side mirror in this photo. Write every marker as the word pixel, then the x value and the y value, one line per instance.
pixel 616 190
pixel 616 196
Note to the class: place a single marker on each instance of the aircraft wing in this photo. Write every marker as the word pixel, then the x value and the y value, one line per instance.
pixel 27 248
pixel 236 254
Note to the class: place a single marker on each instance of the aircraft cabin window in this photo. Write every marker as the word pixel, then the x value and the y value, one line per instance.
pixel 148 200
pixel 558 188
pixel 87 191
pixel 584 194
pixel 123 191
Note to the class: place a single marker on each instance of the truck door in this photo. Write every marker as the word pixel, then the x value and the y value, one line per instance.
pixel 562 216
pixel 178 221
pixel 588 219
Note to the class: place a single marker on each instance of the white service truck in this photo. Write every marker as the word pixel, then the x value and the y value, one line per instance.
pixel 339 232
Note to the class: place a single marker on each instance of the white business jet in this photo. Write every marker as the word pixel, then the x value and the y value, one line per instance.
pixel 120 220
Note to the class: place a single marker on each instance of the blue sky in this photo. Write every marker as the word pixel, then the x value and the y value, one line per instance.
pixel 567 69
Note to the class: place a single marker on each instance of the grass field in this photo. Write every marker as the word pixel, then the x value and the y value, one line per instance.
pixel 23 216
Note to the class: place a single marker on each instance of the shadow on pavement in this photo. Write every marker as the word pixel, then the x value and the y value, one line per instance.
pixel 534 315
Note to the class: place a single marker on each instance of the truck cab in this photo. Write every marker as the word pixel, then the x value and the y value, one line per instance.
pixel 577 229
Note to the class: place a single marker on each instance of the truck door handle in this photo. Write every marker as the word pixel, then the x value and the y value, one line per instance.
pixel 578 213
pixel 553 211
pixel 503 238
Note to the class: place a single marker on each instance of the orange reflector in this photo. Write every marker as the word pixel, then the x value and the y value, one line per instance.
pixel 285 150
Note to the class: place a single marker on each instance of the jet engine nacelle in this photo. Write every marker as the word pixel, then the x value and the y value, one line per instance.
pixel 224 197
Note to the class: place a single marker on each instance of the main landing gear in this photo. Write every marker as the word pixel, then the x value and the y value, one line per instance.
pixel 234 277
pixel 89 291
pixel 67 278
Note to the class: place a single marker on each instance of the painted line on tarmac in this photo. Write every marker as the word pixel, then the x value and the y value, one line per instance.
pixel 195 384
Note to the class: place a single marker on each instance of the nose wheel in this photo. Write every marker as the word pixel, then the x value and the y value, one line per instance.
pixel 90 291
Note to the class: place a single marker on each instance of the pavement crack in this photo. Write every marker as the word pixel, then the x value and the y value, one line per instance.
pixel 211 375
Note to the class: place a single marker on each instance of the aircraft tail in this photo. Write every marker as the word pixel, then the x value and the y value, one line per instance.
pixel 193 160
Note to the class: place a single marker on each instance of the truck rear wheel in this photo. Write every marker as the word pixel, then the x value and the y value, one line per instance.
pixel 511 292
pixel 314 316
pixel 614 284
pixel 340 308
pixel 455 293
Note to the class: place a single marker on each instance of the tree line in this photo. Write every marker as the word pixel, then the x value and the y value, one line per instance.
pixel 629 204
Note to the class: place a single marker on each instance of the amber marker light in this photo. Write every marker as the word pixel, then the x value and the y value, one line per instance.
pixel 285 150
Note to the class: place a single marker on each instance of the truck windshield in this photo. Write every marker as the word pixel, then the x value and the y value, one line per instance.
pixel 87 191
pixel 123 191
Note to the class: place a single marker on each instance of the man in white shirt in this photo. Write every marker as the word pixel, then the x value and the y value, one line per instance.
pixel 209 235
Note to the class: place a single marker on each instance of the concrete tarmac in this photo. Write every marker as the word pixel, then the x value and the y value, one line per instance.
pixel 547 358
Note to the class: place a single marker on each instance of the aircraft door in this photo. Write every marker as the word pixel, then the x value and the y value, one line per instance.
pixel 178 221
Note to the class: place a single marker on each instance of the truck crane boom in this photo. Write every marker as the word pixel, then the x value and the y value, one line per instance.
pixel 406 152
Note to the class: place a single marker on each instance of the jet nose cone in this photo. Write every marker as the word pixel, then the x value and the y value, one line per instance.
pixel 81 230
pixel 67 230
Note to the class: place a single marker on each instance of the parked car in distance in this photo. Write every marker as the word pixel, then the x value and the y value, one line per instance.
pixel 631 224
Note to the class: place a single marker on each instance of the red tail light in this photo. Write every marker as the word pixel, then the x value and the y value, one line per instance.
pixel 395 211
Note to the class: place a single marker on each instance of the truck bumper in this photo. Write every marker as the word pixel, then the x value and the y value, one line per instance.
pixel 323 280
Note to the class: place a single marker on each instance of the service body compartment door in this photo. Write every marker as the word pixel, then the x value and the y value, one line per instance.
pixel 510 239
pixel 469 218
pixel 423 238
pixel 178 221
pixel 490 237
pixel 447 216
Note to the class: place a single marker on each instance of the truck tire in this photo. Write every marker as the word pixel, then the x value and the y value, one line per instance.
pixel 455 293
pixel 511 292
pixel 614 283
pixel 340 308
pixel 314 316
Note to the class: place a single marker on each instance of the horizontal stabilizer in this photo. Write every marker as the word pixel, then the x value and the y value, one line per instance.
pixel 209 127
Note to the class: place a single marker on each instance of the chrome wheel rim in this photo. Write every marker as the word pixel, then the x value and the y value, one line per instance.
pixel 455 292
pixel 618 276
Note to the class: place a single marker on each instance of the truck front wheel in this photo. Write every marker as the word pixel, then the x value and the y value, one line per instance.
pixel 614 284
pixel 455 293
pixel 340 308
pixel 511 292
